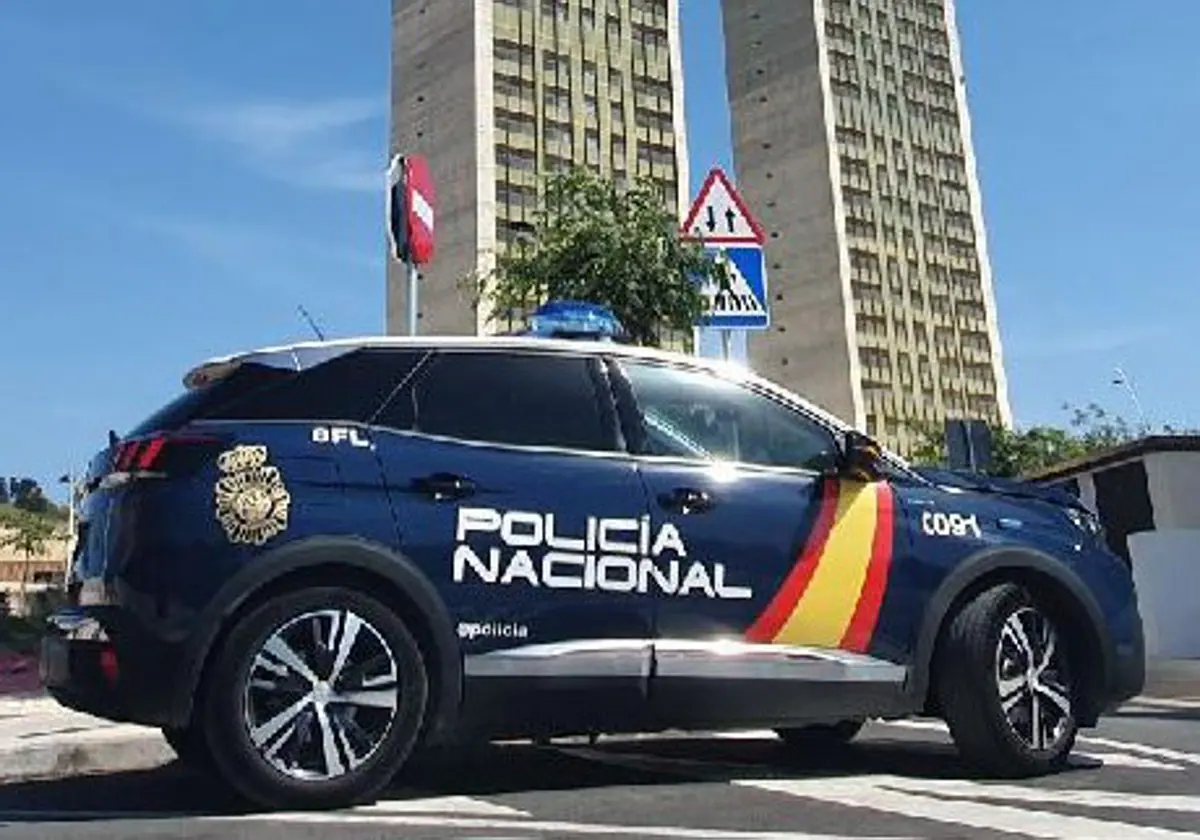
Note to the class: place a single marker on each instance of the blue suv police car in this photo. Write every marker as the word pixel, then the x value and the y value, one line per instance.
pixel 322 557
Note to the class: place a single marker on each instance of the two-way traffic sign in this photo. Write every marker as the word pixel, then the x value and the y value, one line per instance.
pixel 720 220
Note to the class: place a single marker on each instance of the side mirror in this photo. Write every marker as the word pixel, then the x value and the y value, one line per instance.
pixel 861 457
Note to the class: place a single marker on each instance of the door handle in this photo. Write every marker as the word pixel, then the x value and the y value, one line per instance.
pixel 442 487
pixel 686 500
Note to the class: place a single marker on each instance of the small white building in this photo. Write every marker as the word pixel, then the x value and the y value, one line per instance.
pixel 1147 494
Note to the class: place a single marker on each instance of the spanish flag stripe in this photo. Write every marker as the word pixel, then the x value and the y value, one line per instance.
pixel 862 626
pixel 831 597
pixel 772 619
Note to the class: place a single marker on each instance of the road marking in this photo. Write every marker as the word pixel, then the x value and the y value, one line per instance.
pixel 748 735
pixel 867 792
pixel 456 805
pixel 912 723
pixel 538 826
pixel 1146 749
pixel 1053 796
pixel 1177 756
pixel 1116 759
pixel 1163 703
pixel 459 806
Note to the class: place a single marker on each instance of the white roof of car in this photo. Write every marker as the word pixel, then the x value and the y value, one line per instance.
pixel 302 355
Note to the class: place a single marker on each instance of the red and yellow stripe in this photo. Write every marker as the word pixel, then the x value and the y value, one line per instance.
pixel 833 594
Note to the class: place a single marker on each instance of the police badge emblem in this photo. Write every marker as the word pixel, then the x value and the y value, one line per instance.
pixel 252 501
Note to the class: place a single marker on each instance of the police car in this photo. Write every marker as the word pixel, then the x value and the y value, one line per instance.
pixel 322 557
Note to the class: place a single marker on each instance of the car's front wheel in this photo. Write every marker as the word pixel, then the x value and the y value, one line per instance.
pixel 316 700
pixel 1006 684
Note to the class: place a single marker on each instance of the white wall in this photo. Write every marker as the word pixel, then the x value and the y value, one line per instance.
pixel 1166 569
pixel 1174 482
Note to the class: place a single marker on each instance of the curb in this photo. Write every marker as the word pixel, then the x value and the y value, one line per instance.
pixel 1172 679
pixel 85 753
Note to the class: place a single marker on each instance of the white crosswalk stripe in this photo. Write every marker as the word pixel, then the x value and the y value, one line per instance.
pixel 1022 810
pixel 916 799
pixel 1126 747
pixel 533 828
pixel 1120 759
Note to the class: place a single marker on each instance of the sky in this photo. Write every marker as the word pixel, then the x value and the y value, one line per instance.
pixel 177 178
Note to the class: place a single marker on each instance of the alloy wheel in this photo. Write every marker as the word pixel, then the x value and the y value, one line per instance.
pixel 1033 681
pixel 321 695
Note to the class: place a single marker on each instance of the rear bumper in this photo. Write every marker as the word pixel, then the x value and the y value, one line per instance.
pixel 96 661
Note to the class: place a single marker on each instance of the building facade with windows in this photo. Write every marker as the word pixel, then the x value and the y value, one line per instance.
pixel 497 93
pixel 852 143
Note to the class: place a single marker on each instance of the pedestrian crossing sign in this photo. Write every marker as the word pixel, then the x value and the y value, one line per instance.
pixel 743 305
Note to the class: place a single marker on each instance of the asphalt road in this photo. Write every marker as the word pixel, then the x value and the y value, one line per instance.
pixel 1135 778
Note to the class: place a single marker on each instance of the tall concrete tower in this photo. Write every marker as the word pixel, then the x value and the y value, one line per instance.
pixel 853 145
pixel 496 93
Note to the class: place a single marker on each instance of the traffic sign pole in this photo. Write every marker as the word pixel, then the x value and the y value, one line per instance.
pixel 414 278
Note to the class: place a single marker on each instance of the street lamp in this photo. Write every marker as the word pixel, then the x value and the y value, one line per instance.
pixel 1121 379
pixel 72 494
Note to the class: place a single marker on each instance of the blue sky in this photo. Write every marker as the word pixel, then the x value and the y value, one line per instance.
pixel 177 177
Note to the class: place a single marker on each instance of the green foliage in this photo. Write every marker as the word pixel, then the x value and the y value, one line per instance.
pixel 1018 452
pixel 594 242
pixel 26 533
pixel 26 494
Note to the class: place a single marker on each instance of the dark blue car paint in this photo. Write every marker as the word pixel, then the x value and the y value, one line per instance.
pixel 159 567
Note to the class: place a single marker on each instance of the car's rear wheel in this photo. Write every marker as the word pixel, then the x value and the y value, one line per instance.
pixel 316 700
pixel 821 736
pixel 1006 684
pixel 190 746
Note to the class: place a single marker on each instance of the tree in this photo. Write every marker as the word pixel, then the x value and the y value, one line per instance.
pixel 592 241
pixel 26 494
pixel 26 533
pixel 1018 452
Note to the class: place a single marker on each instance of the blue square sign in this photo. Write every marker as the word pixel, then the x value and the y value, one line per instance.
pixel 744 305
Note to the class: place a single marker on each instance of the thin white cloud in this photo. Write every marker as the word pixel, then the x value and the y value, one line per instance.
pixel 241 248
pixel 1099 338
pixel 333 143
pixel 318 144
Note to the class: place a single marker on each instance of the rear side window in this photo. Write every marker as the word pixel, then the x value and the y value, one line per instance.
pixel 348 388
pixel 201 402
pixel 506 398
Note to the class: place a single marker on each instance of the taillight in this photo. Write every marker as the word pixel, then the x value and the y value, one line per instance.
pixel 163 454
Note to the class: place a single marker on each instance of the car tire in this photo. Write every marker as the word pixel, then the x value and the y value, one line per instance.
pixel 190 747
pixel 819 736
pixel 316 700
pixel 1006 685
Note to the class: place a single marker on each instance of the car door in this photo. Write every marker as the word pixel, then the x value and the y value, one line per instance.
pixel 788 559
pixel 506 472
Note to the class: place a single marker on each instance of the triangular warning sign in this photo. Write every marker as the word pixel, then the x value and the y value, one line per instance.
pixel 720 215
pixel 741 299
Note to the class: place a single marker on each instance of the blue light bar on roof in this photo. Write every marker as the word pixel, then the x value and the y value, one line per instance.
pixel 575 319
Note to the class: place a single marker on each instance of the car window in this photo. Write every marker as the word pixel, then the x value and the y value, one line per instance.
pixel 349 388
pixel 508 398
pixel 690 414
